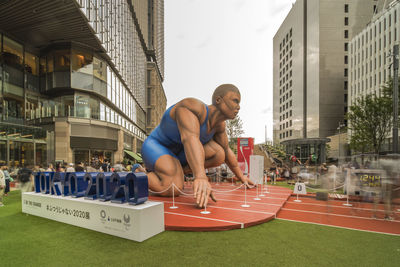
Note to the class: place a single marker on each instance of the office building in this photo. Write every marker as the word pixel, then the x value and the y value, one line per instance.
pixel 370 55
pixel 310 71
pixel 73 83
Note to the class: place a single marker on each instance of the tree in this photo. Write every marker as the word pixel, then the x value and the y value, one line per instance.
pixel 370 122
pixel 234 129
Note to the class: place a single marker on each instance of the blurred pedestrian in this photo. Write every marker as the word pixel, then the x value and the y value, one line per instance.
pixel 25 178
pixel 118 167
pixel 138 168
pixel 105 166
pixel 70 168
pixel 8 179
pixel 2 184
pixel 80 167
pixel 50 168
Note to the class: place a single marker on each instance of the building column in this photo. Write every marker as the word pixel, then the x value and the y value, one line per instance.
pixel 62 136
pixel 323 156
pixel 134 144
pixel 119 154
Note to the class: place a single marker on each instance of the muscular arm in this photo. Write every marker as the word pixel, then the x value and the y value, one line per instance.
pixel 222 139
pixel 189 128
pixel 188 116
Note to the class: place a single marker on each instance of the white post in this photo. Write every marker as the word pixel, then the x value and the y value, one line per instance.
pixel 245 205
pixel 205 211
pixel 173 197
pixel 262 187
pixel 347 189
pixel 266 185
pixel 297 198
pixel 257 198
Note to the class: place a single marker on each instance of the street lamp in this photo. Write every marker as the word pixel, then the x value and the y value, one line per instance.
pixel 339 127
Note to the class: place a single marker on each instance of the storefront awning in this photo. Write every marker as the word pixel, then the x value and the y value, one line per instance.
pixel 134 156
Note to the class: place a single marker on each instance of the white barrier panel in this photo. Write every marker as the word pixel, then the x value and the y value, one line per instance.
pixel 136 223
pixel 256 169
pixel 300 188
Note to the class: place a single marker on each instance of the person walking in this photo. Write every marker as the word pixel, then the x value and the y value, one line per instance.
pixel 26 179
pixel 2 184
pixel 8 179
pixel 50 168
pixel 70 168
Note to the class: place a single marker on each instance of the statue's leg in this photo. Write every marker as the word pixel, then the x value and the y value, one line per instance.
pixel 167 170
pixel 214 154
pixel 164 167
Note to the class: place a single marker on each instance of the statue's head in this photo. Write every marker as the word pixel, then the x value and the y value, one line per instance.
pixel 226 98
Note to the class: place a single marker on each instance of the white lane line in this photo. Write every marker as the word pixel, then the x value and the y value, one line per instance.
pixel 225 208
pixel 339 201
pixel 330 225
pixel 241 201
pixel 339 215
pixel 334 206
pixel 204 218
pixel 249 195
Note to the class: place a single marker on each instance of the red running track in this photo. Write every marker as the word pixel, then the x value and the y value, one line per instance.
pixel 227 213
pixel 360 216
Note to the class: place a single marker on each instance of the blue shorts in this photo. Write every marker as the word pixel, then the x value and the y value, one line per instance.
pixel 152 150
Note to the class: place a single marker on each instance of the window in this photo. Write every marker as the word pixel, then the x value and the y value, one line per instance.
pixel 346 8
pixel 346 34
pixel 345 72
pixel 346 60
pixel 346 21
pixel 290 132
pixel 346 46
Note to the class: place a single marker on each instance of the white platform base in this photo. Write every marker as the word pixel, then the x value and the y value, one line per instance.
pixel 136 223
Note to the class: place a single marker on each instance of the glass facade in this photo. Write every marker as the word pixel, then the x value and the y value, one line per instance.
pixel 90 156
pixel 92 67
pixel 117 34
pixel 108 98
pixel 22 145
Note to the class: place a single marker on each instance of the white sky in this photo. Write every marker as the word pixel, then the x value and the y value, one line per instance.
pixel 211 42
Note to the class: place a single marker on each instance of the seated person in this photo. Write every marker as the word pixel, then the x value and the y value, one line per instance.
pixel 190 138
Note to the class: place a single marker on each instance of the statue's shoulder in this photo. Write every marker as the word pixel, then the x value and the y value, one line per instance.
pixel 193 105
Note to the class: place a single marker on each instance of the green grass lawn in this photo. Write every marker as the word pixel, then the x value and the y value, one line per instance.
pixel 27 240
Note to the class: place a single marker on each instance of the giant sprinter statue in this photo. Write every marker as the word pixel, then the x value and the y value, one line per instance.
pixel 190 138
